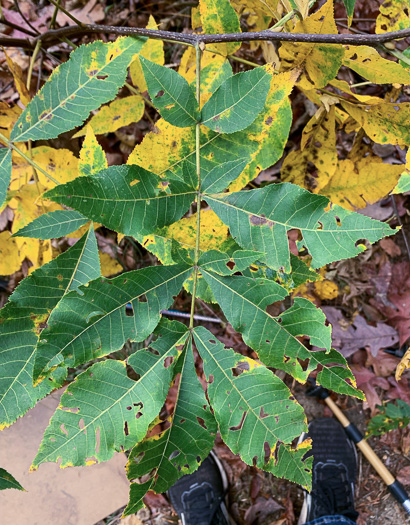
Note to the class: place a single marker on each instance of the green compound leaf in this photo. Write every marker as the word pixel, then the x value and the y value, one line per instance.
pixel 103 410
pixel 171 95
pixel 244 301
pixel 30 304
pixel 221 176
pixel 404 183
pixel 5 173
pixel 179 449
pixel 127 199
pixel 259 220
pixel 53 225
pixel 237 102
pixel 93 322
pixel 91 77
pixel 254 409
pixel 7 481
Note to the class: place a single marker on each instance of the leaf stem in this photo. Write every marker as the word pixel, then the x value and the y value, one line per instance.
pixel 198 49
pixel 33 59
pixel 27 158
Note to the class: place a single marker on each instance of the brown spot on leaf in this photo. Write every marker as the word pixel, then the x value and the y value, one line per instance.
pixel 160 93
pixel 269 121
pixel 260 220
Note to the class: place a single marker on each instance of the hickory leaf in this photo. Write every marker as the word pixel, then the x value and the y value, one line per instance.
pixel 218 16
pixel 260 408
pixel 7 481
pixel 177 450
pixel 259 220
pixel 127 199
pixel 29 305
pixel 53 225
pixel 103 401
pixel 5 173
pixel 171 94
pixel 244 301
pixel 91 77
pixel 237 102
pixel 92 322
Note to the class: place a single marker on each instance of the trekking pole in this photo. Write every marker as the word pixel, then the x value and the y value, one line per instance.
pixel 394 486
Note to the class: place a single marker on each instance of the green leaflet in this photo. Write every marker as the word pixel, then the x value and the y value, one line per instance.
pixel 349 5
pixel 252 408
pixel 259 220
pixel 90 78
pixel 244 301
pixel 7 481
pixel 404 183
pixel 127 199
pixel 104 401
pixel 177 450
pixel 5 173
pixel 171 94
pixel 237 102
pixel 92 322
pixel 221 176
pixel 30 304
pixel 53 225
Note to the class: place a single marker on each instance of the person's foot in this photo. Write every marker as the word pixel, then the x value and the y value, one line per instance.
pixel 334 472
pixel 198 498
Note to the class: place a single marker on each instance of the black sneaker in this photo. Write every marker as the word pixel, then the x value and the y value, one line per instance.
pixel 198 498
pixel 334 472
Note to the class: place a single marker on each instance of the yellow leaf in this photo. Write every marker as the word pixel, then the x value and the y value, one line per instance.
pixel 260 7
pixel 109 266
pixel 92 156
pixel 326 289
pixel 265 130
pixel 152 50
pixel 61 164
pixel 27 206
pixel 8 117
pixel 321 62
pixel 119 113
pixel 163 147
pixel 343 86
pixel 364 181
pixel 10 257
pixel 213 233
pixel 17 73
pixel 369 64
pixel 218 16
pixel 394 15
pixel 316 163
pixel 384 123
pixel 403 365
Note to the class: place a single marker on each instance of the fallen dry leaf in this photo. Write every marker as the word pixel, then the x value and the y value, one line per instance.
pixel 347 338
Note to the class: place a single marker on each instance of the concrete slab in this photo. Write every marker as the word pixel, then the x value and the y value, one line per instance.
pixel 71 496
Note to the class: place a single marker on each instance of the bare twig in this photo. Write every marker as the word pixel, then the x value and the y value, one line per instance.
pixel 52 36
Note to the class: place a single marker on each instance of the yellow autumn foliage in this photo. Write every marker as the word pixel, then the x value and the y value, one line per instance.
pixel 8 117
pixel 152 50
pixel 109 266
pixel 320 62
pixel 119 113
pixel 369 64
pixel 17 73
pixel 61 164
pixel 362 181
pixel 316 163
pixel 92 156
pixel 393 16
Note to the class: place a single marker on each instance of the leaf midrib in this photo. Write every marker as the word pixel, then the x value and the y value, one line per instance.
pixel 128 391
pixel 92 325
